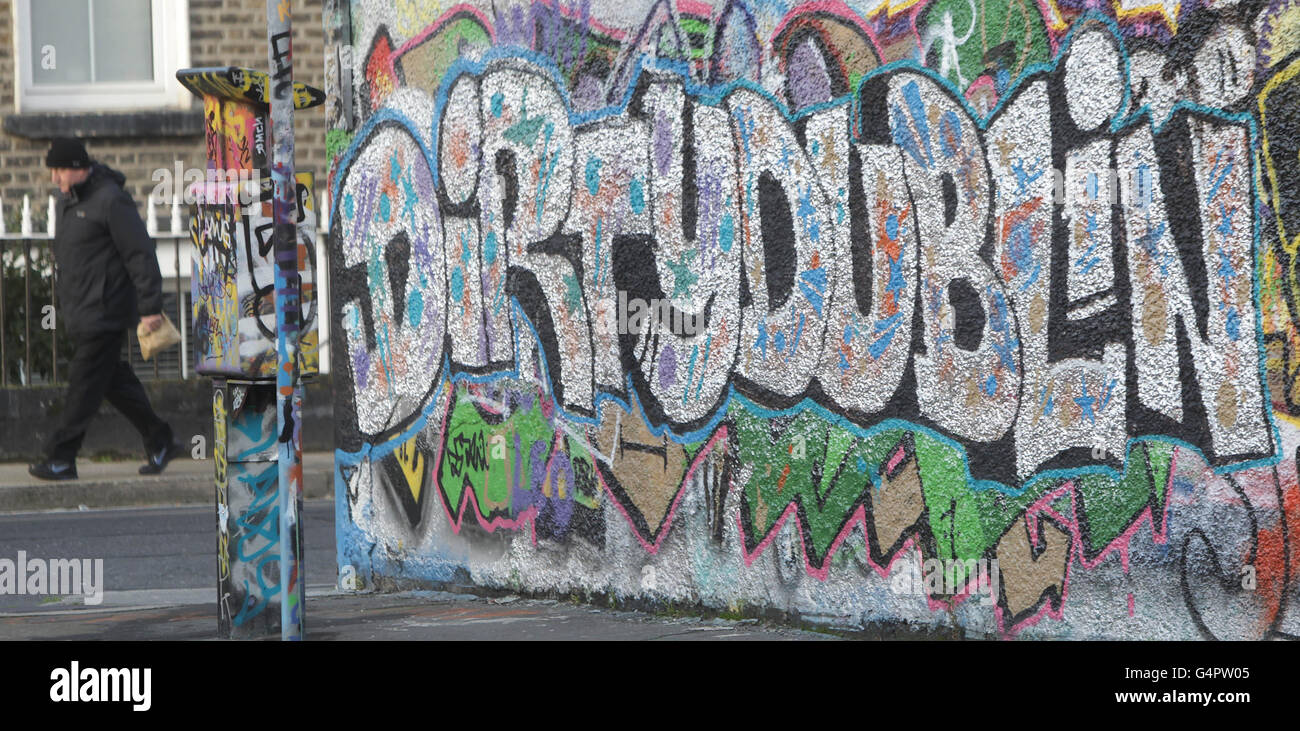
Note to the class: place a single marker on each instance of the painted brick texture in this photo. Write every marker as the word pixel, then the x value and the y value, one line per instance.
pixel 222 33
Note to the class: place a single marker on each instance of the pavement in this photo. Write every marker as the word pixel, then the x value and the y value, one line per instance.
pixel 118 484
pixel 190 614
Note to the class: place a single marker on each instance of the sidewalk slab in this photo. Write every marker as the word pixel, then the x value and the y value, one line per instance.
pixel 119 484
pixel 423 615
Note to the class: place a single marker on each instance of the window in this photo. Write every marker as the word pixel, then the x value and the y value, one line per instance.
pixel 78 55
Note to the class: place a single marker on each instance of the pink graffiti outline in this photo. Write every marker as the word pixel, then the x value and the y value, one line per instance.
pixel 698 8
pixel 529 515
pixel 1030 519
pixel 980 82
pixel 524 518
pixel 437 25
pixel 1035 511
pixel 822 574
pixel 662 533
pixel 573 14
pixel 1159 535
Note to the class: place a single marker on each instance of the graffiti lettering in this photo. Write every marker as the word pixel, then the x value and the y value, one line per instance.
pixel 831 255
pixel 976 284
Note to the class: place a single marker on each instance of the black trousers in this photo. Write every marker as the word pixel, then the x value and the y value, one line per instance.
pixel 96 373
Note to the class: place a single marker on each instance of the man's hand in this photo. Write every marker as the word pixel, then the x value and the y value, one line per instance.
pixel 152 322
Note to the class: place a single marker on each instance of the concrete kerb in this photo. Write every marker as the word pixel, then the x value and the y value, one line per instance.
pixel 118 484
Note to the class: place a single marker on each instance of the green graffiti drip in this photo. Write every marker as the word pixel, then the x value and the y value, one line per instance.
pixel 826 471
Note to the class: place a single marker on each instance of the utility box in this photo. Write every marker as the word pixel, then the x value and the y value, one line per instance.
pixel 248 510
pixel 236 343
pixel 232 282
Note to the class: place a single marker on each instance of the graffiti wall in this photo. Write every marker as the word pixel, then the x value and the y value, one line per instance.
pixel 939 312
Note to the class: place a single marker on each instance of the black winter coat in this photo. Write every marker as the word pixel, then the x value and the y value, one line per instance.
pixel 108 271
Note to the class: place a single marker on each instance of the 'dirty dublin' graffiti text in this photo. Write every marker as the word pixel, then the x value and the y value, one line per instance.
pixel 887 254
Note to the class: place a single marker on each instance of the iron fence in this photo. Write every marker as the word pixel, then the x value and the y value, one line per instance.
pixel 34 351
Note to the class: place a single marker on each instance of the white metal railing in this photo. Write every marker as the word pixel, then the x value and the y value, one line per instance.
pixel 174 263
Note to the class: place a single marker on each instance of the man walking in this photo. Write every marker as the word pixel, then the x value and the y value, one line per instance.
pixel 108 281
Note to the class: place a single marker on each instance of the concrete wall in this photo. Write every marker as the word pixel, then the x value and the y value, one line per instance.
pixel 868 313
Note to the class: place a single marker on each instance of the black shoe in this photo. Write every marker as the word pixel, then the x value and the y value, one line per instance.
pixel 53 469
pixel 158 460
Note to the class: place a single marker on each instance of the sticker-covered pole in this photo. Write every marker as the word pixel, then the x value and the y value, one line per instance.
pixel 279 28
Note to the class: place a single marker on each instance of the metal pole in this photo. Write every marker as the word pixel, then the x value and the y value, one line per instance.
pixel 27 312
pixel 4 322
pixel 54 334
pixel 51 220
pixel 180 301
pixel 279 30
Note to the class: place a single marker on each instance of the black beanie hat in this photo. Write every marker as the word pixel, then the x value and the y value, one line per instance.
pixel 66 152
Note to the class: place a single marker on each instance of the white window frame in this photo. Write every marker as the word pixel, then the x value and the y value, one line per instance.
pixel 171 51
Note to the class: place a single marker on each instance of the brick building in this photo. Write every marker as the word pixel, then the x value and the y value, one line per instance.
pixel 57 78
